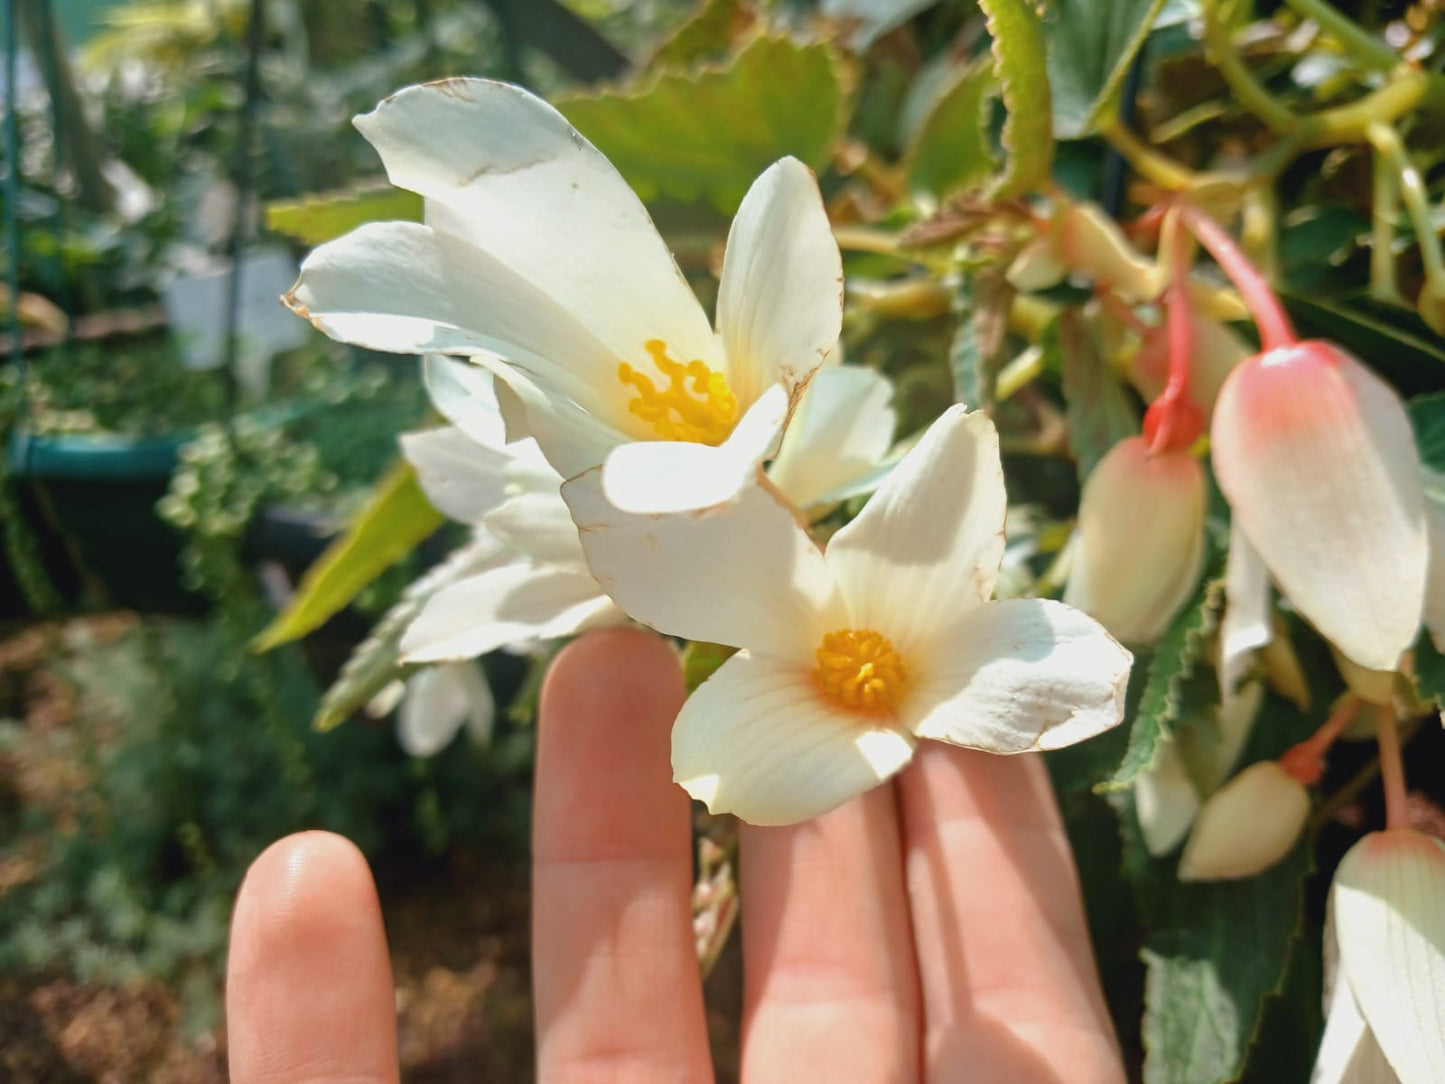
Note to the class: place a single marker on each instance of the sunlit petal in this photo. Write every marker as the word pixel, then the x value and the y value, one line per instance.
pixel 841 431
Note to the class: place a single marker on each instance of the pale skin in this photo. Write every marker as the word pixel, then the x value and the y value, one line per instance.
pixel 929 930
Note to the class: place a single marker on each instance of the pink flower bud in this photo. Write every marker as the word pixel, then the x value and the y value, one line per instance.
pixel 1316 457
pixel 1140 540
pixel 1215 350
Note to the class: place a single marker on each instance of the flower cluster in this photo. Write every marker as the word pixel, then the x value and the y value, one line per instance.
pixel 614 454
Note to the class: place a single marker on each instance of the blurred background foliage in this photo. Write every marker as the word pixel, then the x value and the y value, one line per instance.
pixel 155 515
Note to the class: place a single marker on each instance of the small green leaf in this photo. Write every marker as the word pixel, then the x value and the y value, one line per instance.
pixel 315 219
pixel 700 660
pixel 1178 653
pixel 1429 671
pixel 950 150
pixel 1099 411
pixel 397 517
pixel 1020 61
pixel 1091 44
pixel 709 34
pixel 708 134
pixel 1427 415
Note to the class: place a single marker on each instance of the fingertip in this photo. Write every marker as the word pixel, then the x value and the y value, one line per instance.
pixel 308 985
pixel 623 663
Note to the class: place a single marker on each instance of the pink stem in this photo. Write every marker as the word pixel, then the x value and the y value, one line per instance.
pixel 1392 770
pixel 1275 330
pixel 1305 761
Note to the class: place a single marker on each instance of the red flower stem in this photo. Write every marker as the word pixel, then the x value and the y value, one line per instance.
pixel 1392 769
pixel 1305 761
pixel 1275 330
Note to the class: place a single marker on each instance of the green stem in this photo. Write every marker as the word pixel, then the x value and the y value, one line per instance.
pixel 1149 163
pixel 1385 206
pixel 1278 117
pixel 1387 144
pixel 1366 48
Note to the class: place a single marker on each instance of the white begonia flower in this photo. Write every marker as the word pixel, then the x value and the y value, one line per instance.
pixel 438 703
pixel 1315 455
pixel 538 262
pixel 849 657
pixel 1349 1052
pixel 538 587
pixel 1139 547
pixel 1390 927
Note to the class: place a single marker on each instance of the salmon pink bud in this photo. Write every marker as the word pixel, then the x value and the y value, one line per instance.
pixel 1316 458
pixel 1214 350
pixel 1391 933
pixel 1140 540
pixel 1246 826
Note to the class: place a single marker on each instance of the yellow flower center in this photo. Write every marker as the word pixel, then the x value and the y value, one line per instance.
pixel 859 669
pixel 697 405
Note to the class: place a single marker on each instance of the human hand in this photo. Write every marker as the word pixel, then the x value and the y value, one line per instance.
pixel 931 929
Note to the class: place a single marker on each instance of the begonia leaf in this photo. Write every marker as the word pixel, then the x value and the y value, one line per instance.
pixel 316 219
pixel 1091 45
pixel 1021 65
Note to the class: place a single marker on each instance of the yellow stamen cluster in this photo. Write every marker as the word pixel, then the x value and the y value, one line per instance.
pixel 697 406
pixel 859 669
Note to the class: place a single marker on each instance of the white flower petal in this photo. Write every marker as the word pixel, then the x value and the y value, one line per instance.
pixel 780 302
pixel 672 476
pixel 1017 675
pixel 1390 925
pixel 506 172
pixel 841 431
pixel 1246 826
pixel 518 603
pixel 460 477
pixel 465 395
pixel 1246 624
pixel 745 575
pixel 438 702
pixel 571 439
pixel 1316 457
pixel 1140 542
pixel 1165 800
pixel 1349 1052
pixel 928 544
pixel 540 526
pixel 756 739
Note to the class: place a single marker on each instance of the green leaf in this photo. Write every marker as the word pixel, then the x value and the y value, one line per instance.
pixel 319 218
pixel 981 305
pixel 1091 44
pixel 1395 343
pixel 709 34
pixel 397 517
pixel 1178 653
pixel 950 149
pixel 1429 671
pixel 1020 61
pixel 700 660
pixel 1427 415
pixel 708 134
pixel 1099 411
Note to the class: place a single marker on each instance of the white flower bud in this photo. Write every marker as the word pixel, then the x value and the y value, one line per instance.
pixel 1165 801
pixel 1246 826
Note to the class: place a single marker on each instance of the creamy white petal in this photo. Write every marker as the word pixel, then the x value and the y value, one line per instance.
pixel 460 477
pixel 1017 675
pixel 927 545
pixel 441 700
pixel 1246 624
pixel 1390 925
pixel 406 288
pixel 1316 456
pixel 518 603
pixel 1246 826
pixel 1349 1052
pixel 841 431
pixel 1165 800
pixel 674 476
pixel 465 394
pixel 745 574
pixel 756 739
pixel 571 439
pixel 540 526
pixel 506 172
pixel 1140 543
pixel 780 302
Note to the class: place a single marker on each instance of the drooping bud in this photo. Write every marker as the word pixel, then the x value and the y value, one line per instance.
pixel 1165 800
pixel 1215 349
pixel 1082 239
pixel 1390 925
pixel 1246 826
pixel 1316 457
pixel 1140 540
